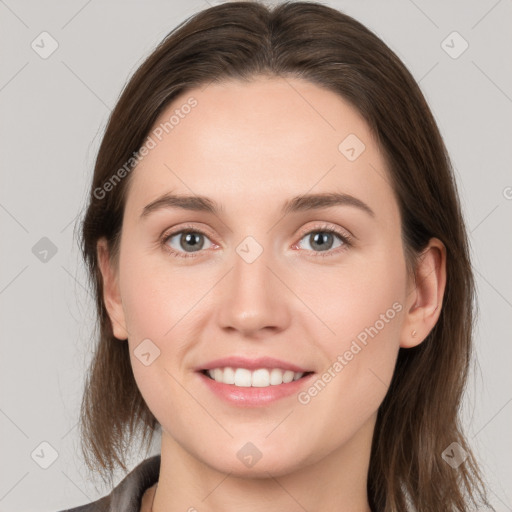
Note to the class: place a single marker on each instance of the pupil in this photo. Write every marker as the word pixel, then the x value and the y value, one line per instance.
pixel 320 239
pixel 189 239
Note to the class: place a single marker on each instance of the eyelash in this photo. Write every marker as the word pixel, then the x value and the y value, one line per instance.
pixel 345 238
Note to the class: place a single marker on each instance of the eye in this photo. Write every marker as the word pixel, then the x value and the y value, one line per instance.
pixel 179 243
pixel 188 241
pixel 321 241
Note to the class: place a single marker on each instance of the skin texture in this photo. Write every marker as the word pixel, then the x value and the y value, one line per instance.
pixel 252 146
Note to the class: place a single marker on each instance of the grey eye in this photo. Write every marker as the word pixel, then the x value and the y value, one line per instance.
pixel 322 240
pixel 187 241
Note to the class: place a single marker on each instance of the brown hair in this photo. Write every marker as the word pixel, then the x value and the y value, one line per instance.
pixel 419 417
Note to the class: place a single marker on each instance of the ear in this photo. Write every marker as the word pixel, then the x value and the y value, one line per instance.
pixel 425 295
pixel 111 293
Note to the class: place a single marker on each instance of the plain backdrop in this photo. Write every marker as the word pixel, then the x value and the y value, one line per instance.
pixel 53 112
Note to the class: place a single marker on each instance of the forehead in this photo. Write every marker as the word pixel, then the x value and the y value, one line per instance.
pixel 267 139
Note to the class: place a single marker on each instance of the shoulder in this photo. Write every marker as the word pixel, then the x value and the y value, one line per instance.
pixel 127 495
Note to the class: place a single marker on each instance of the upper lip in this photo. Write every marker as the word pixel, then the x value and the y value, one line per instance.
pixel 251 364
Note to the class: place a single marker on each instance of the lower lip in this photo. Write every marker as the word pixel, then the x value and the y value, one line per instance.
pixel 253 397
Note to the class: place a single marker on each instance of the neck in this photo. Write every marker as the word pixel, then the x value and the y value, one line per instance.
pixel 337 482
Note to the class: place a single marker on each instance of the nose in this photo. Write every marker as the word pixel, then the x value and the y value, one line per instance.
pixel 254 299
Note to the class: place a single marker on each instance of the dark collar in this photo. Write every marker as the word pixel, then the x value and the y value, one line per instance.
pixel 127 495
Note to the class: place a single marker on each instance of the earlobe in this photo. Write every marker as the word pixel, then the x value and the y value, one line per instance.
pixel 111 292
pixel 425 300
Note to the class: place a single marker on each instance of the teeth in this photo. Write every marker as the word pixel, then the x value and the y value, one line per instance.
pixel 228 377
pixel 242 378
pixel 261 378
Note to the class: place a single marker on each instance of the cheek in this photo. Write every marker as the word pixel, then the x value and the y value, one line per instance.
pixel 156 302
pixel 363 307
pixel 157 294
pixel 359 369
pixel 350 299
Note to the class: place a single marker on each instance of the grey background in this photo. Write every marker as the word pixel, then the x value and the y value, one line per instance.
pixel 53 112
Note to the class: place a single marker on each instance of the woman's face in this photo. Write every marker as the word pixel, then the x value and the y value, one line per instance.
pixel 260 277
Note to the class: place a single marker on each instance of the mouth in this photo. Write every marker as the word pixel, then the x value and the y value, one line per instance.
pixel 258 378
pixel 253 381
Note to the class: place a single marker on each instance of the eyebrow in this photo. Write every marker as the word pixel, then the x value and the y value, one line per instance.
pixel 302 203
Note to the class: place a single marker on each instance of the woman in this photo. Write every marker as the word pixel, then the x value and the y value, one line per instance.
pixel 282 276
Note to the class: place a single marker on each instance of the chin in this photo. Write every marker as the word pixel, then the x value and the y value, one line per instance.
pixel 247 463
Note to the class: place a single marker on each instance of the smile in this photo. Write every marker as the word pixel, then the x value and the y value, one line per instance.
pixel 259 378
